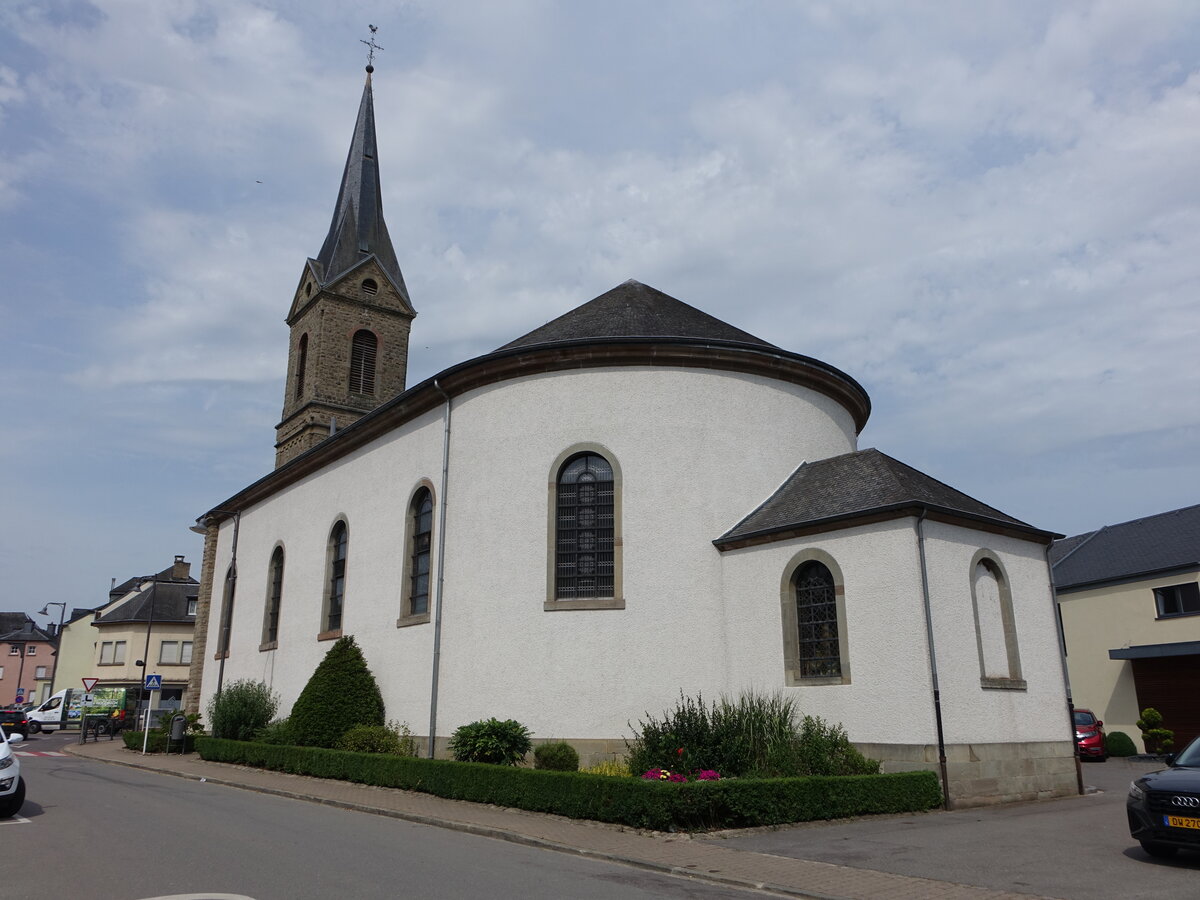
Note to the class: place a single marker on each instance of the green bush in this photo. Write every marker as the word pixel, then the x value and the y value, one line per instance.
pixel 241 709
pixel 1156 738
pixel 276 732
pixel 341 693
pixel 558 756
pixel 491 741
pixel 755 735
pixel 729 803
pixel 1120 744
pixel 395 738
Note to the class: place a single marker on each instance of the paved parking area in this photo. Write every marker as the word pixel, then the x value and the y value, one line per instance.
pixel 1078 847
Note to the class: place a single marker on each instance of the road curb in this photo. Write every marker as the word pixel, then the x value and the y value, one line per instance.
pixel 488 831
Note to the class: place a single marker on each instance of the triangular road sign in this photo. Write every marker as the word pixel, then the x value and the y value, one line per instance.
pixel 89 683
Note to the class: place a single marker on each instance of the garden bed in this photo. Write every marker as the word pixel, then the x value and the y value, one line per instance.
pixel 639 803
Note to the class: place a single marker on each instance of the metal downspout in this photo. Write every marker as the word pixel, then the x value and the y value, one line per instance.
pixel 223 635
pixel 933 670
pixel 1062 658
pixel 441 576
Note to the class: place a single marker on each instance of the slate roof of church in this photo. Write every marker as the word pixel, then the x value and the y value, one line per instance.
pixel 859 485
pixel 169 599
pixel 635 310
pixel 357 230
pixel 1141 547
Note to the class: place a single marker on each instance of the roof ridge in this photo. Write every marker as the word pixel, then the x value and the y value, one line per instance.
pixel 1082 543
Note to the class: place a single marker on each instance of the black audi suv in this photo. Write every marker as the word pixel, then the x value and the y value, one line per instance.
pixel 1164 806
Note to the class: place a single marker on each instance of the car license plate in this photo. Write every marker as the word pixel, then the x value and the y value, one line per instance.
pixel 1181 822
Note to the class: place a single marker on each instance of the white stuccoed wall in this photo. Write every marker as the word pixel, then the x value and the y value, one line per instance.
pixel 697 450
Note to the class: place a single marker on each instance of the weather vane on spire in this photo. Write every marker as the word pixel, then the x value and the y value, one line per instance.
pixel 371 48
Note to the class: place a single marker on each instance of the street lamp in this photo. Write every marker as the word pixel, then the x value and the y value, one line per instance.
pixel 62 615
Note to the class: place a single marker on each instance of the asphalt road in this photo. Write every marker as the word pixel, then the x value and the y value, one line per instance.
pixel 105 832
pixel 1077 847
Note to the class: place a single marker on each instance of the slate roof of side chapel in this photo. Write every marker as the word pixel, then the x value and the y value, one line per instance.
pixel 857 485
pixel 1159 543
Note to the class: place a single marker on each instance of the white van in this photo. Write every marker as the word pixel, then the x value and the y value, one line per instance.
pixel 66 708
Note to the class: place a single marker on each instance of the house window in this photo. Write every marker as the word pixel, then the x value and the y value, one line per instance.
pixel 274 599
pixel 31 649
pixel 584 529
pixel 1177 600
pixel 1 673
pixel 995 624
pixel 14 649
pixel 362 362
pixel 191 606
pixel 226 631
pixel 40 672
pixel 301 364
pixel 175 652
pixel 335 592
pixel 816 618
pixel 112 653
pixel 420 514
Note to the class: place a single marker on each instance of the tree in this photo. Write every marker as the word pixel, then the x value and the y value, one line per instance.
pixel 1156 738
pixel 341 694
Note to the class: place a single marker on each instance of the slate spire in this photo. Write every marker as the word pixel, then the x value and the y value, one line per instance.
pixel 357 230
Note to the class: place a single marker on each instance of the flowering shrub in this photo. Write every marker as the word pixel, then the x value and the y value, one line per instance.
pixel 668 775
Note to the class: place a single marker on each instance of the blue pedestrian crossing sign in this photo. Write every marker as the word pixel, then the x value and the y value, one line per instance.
pixel 154 682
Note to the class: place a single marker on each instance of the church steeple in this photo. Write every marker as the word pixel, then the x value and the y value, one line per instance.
pixel 357 229
pixel 351 313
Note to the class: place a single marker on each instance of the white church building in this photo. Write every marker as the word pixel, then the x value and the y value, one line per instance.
pixel 633 501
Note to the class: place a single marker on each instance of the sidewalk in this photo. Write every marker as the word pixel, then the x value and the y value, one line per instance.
pixel 667 853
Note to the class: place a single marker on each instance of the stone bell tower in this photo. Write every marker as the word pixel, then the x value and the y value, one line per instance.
pixel 351 314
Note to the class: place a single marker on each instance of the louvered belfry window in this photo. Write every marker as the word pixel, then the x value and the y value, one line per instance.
pixel 583 560
pixel 816 614
pixel 301 365
pixel 362 362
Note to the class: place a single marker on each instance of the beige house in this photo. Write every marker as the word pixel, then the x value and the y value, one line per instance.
pixel 149 618
pixel 1129 595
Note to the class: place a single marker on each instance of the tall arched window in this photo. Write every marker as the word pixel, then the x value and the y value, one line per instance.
pixel 227 611
pixel 584 532
pixel 421 529
pixel 336 591
pixel 817 622
pixel 274 598
pixel 301 364
pixel 363 349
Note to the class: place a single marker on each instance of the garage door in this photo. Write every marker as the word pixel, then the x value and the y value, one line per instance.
pixel 1171 684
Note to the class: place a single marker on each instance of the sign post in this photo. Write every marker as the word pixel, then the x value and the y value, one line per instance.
pixel 152 683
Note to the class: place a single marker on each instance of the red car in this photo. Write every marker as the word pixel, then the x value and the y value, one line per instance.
pixel 1089 735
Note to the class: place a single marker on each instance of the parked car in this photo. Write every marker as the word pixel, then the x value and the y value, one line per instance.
pixel 1164 806
pixel 12 785
pixel 14 721
pixel 1089 736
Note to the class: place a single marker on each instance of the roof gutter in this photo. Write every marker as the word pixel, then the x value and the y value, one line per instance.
pixel 933 668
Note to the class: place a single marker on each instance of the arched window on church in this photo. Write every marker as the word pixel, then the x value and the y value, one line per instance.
pixel 584 529
pixel 421 529
pixel 817 621
pixel 274 600
pixel 301 364
pixel 363 349
pixel 226 631
pixel 335 591
pixel 995 625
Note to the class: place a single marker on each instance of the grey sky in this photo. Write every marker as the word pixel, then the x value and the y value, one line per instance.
pixel 985 213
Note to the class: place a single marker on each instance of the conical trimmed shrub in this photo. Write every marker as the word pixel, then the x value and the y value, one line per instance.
pixel 341 694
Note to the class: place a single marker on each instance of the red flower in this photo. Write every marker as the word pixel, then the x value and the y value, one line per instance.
pixel 680 751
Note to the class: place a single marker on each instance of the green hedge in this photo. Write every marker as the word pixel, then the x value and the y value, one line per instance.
pixel 689 806
pixel 157 742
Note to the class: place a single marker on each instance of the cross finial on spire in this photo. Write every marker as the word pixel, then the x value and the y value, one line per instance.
pixel 371 48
